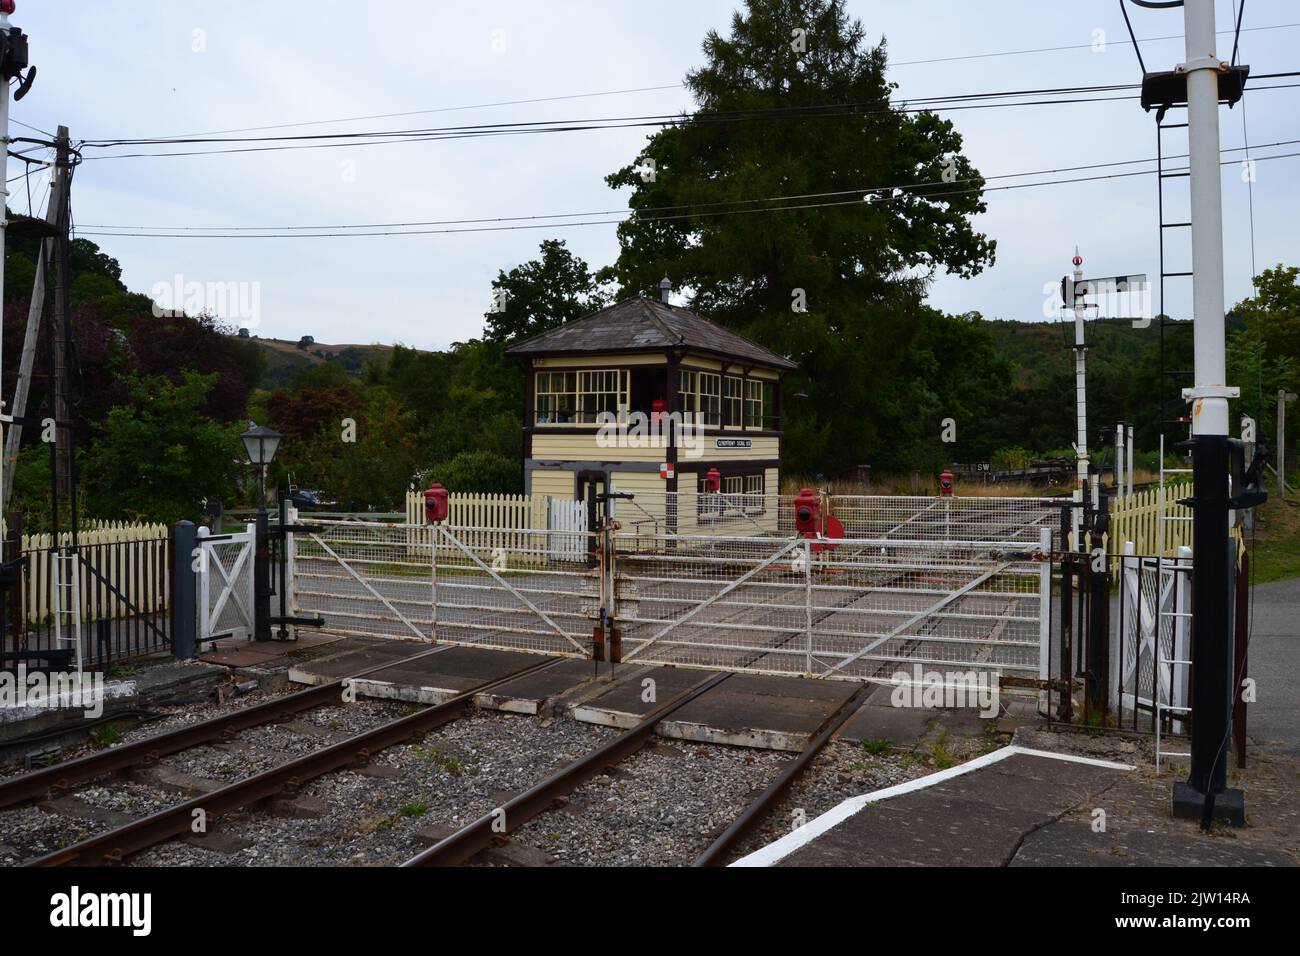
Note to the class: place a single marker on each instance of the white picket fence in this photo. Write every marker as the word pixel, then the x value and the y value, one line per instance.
pixel 1136 518
pixel 130 557
pixel 506 512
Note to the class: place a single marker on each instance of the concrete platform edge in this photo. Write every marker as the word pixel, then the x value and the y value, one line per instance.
pixel 778 850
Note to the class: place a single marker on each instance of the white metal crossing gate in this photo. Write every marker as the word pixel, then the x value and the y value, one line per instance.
pixel 225 585
pixel 534 591
pixel 859 609
pixel 366 579
pixel 508 588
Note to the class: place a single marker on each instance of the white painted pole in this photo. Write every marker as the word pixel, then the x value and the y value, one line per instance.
pixel 1080 408
pixel 1119 460
pixel 1210 395
pixel 1130 458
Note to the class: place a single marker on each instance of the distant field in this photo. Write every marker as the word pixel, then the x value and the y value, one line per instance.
pixel 284 357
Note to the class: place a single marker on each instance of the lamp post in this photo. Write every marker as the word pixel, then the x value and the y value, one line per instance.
pixel 261 443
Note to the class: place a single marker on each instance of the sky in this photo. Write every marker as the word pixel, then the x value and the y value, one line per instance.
pixel 139 68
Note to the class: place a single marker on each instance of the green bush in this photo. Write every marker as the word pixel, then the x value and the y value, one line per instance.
pixel 1009 459
pixel 479 472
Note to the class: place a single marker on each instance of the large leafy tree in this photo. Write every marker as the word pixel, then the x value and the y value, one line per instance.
pixel 157 457
pixel 806 117
pixel 1264 354
pixel 541 294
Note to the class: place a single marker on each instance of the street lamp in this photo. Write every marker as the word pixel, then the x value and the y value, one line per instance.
pixel 261 443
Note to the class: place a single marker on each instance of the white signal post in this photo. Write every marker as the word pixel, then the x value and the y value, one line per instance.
pixel 1082 463
pixel 1209 396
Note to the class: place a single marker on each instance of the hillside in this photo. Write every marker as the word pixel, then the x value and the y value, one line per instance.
pixel 284 357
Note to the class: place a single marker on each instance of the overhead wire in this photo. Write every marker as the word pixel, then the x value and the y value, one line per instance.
pixel 898 193
pixel 655 209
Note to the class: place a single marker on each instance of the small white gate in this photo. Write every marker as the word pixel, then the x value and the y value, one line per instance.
pixel 567 516
pixel 1157 633
pixel 225 571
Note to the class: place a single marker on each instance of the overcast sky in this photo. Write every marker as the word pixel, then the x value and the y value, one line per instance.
pixel 167 67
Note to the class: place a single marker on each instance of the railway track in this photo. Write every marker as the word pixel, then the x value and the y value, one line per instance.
pixel 285 779
pixel 553 792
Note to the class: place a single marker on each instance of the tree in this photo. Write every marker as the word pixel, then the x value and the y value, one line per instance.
pixel 1273 313
pixel 158 457
pixel 861 267
pixel 542 294
pixel 479 472
pixel 1264 355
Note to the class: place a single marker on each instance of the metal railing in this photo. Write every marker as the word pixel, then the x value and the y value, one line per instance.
pixel 858 609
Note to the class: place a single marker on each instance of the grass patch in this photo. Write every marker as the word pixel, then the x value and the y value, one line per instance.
pixel 1276 555
pixel 105 736
pixel 877 747
pixel 440 760
pixel 413 810
pixel 940 755
pixel 992 738
pixel 378 824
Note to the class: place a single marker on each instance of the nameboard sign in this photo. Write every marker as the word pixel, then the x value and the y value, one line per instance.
pixel 735 443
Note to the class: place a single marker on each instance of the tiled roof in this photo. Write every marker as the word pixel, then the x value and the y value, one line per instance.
pixel 647 325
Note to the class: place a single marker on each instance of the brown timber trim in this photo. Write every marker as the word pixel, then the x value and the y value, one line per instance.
pixel 731 467
pixel 674 364
pixel 710 432
pixel 530 410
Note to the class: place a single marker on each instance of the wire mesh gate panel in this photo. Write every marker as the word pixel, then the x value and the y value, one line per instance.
pixel 862 516
pixel 365 579
pixel 535 591
pixel 860 609
pixel 512 588
pixel 225 585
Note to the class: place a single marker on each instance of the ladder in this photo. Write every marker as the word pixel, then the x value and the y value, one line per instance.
pixel 1178 634
pixel 1179 617
pixel 1161 176
pixel 66 585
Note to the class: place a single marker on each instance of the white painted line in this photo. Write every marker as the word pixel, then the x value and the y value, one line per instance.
pixel 1074 758
pixel 778 850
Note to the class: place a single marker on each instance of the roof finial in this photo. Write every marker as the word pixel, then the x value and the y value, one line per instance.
pixel 665 289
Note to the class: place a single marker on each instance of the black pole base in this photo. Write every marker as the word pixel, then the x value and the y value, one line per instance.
pixel 1229 805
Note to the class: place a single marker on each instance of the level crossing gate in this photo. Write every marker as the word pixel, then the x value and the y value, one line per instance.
pixel 864 607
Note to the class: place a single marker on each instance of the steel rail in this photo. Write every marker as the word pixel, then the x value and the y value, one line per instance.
pixel 494 828
pixel 142 753
pixel 116 844
pixel 774 791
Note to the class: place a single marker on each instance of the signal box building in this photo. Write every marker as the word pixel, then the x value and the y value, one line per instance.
pixel 646 398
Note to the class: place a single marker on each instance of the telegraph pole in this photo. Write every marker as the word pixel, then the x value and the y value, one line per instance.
pixel 13 60
pixel 35 310
pixel 60 331
pixel 5 10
